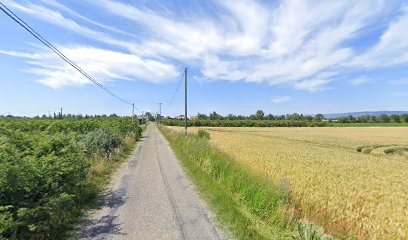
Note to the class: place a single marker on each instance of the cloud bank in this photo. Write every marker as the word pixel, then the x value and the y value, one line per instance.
pixel 304 44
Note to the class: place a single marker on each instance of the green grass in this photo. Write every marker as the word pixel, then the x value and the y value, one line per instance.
pixel 368 124
pixel 249 206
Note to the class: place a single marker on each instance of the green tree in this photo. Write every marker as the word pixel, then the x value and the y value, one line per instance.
pixel 215 116
pixel 260 115
pixel 202 116
pixel 295 116
pixel 319 117
pixel 384 118
pixel 270 117
pixel 404 118
pixel 309 118
pixel 231 117
pixel 364 118
pixel 281 117
pixel 395 118
pixel 252 117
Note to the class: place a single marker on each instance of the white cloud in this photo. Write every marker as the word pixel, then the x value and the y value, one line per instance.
pixel 391 48
pixel 305 44
pixel 59 20
pixel 312 85
pixel 63 8
pixel 280 99
pixel 103 65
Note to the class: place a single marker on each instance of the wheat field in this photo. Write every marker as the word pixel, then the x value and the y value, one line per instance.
pixel 358 174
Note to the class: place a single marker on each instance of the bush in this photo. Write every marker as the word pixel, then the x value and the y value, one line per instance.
pixel 37 187
pixel 44 171
pixel 102 142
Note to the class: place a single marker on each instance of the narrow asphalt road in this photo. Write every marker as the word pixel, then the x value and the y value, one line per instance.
pixel 151 198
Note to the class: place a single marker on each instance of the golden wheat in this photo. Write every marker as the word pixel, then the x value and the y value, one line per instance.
pixel 367 187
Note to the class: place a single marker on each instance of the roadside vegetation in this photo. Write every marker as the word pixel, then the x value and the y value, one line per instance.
pixel 245 202
pixel 343 181
pixel 51 169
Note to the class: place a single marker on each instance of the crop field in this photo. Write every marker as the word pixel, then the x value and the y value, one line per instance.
pixel 344 179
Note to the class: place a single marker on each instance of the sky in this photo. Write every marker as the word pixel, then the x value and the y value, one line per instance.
pixel 279 56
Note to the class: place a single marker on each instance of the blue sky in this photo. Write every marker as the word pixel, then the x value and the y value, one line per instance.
pixel 279 56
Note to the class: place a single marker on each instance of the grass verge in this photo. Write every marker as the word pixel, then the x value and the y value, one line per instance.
pixel 248 205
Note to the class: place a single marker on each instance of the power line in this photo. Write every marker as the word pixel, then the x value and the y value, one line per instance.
pixel 174 95
pixel 34 33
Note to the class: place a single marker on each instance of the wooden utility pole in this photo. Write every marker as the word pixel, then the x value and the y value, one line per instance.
pixel 133 111
pixel 185 100
pixel 160 104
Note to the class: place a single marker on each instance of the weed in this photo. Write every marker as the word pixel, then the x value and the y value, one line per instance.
pixel 203 134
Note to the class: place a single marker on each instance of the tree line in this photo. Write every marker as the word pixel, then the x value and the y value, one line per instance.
pixel 258 119
pixel 260 115
pixel 384 118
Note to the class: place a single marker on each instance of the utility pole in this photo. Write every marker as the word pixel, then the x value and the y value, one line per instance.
pixel 160 112
pixel 133 111
pixel 185 100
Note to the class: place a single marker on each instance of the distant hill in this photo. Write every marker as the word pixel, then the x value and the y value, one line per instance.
pixel 358 114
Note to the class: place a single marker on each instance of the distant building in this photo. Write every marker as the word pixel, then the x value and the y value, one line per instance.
pixel 194 118
pixel 181 117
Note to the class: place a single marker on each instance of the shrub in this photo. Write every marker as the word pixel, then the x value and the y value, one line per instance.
pixel 102 142
pixel 44 171
pixel 37 187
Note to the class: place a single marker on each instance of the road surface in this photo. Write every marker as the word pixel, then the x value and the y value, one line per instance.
pixel 151 198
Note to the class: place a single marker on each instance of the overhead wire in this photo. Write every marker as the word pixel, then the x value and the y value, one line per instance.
pixel 38 36
pixel 174 95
